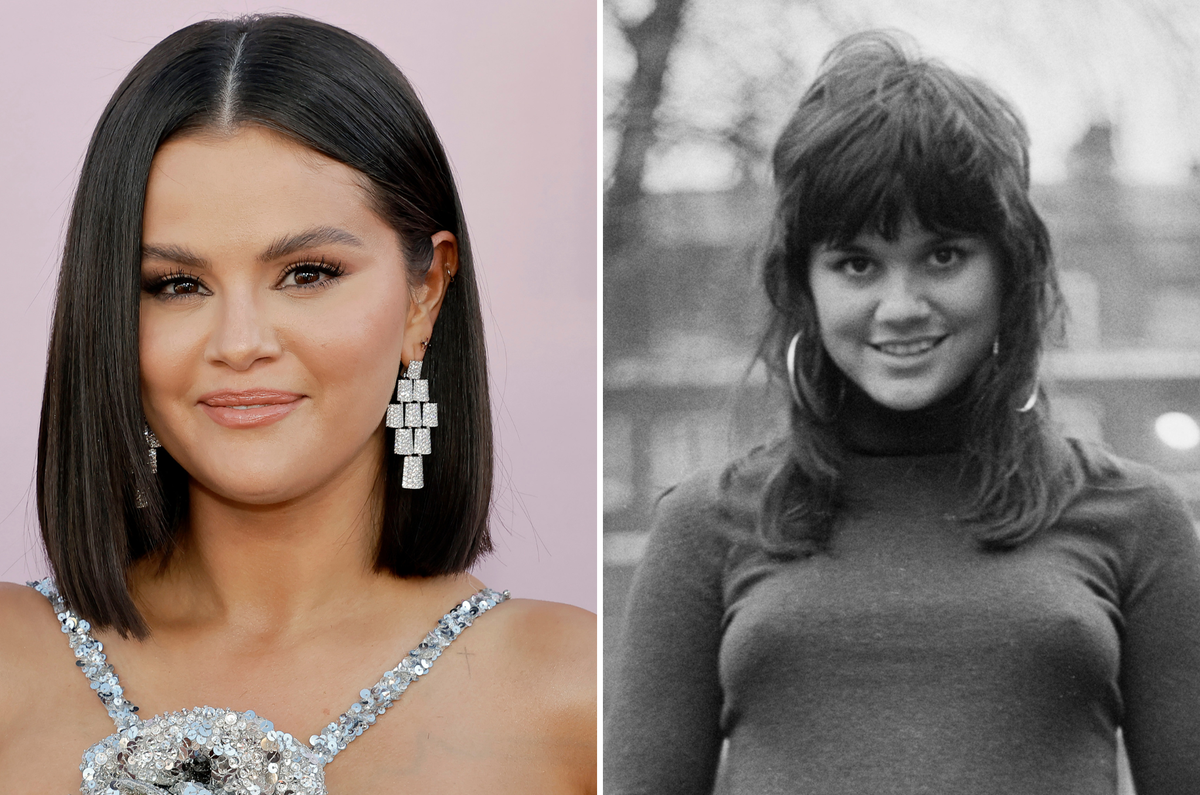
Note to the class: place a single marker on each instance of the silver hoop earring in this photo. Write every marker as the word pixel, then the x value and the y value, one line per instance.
pixel 411 418
pixel 791 369
pixel 1032 401
pixel 802 391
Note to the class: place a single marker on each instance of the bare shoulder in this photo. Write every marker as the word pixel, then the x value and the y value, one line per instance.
pixel 29 635
pixel 547 658
pixel 550 637
pixel 548 651
pixel 27 623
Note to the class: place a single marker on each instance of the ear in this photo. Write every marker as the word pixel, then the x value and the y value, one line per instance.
pixel 425 301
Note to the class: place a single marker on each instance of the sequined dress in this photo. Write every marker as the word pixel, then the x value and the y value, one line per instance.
pixel 207 750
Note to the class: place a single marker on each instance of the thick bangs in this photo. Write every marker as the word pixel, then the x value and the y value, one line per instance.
pixel 912 149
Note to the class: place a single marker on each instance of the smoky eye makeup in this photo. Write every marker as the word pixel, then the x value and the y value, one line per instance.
pixel 173 284
pixel 304 274
pixel 309 274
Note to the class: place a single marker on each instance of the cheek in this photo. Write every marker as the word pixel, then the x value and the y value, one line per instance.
pixel 841 315
pixel 980 304
pixel 169 346
pixel 355 346
pixel 976 311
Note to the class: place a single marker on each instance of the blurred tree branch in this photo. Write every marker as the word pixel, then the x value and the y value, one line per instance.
pixel 652 40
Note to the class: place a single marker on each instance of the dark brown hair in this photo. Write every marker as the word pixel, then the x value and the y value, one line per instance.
pixel 335 93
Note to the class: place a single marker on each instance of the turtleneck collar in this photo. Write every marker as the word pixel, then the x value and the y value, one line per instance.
pixel 869 428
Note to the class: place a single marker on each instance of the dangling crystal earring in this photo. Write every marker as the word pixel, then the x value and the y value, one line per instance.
pixel 152 446
pixel 412 417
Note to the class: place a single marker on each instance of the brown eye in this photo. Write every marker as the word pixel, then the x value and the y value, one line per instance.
pixel 311 274
pixel 181 287
pixel 306 275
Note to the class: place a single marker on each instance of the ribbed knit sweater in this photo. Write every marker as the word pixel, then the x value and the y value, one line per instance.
pixel 908 660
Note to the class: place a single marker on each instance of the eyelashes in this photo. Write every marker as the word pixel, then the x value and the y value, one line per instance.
pixel 942 256
pixel 321 267
pixel 303 275
pixel 156 285
pixel 956 255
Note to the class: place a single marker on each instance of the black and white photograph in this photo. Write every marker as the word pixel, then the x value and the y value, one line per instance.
pixel 901 393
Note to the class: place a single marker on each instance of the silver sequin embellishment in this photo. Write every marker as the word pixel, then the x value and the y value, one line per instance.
pixel 209 751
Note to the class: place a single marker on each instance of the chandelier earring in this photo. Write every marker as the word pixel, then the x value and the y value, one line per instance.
pixel 152 445
pixel 412 417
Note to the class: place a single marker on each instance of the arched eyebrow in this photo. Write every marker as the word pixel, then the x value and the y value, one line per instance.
pixel 318 236
pixel 279 248
pixel 177 254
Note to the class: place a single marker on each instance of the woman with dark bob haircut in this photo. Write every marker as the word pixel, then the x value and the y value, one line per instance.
pixel 922 588
pixel 265 459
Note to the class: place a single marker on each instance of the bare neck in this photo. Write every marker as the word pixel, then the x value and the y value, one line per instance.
pixel 271 568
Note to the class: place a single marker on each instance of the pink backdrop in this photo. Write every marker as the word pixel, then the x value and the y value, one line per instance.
pixel 511 88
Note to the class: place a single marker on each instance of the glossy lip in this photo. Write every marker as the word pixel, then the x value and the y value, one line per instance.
pixel 259 406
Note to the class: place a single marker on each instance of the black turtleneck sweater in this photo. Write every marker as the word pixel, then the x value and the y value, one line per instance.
pixel 906 659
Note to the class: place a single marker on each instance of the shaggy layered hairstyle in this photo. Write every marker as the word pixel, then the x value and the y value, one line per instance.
pixel 340 96
pixel 881 137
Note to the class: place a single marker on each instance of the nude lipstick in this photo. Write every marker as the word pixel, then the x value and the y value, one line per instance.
pixel 251 408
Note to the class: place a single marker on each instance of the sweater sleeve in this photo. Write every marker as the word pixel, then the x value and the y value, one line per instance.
pixel 662 729
pixel 1160 652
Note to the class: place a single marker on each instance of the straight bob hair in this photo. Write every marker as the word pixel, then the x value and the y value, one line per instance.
pixel 335 93
pixel 880 137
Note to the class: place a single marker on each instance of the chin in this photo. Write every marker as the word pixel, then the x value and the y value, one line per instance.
pixel 268 484
pixel 249 492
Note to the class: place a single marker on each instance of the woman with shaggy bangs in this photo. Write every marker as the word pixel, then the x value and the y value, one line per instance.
pixel 923 588
pixel 265 458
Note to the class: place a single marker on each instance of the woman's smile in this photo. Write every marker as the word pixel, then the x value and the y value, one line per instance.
pixel 908 349
pixel 248 409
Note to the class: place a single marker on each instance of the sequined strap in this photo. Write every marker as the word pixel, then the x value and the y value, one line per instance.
pixel 90 657
pixel 374 702
pixel 333 738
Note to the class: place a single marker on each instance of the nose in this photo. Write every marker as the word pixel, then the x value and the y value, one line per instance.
pixel 243 333
pixel 903 301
